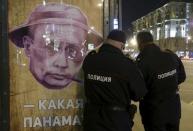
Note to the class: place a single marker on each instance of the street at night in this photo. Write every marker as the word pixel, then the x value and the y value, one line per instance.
pixel 186 88
pixel 63 65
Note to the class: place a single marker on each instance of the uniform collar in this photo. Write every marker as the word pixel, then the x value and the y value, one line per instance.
pixel 107 47
pixel 150 48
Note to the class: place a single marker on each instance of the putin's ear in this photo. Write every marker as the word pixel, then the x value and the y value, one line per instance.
pixel 27 42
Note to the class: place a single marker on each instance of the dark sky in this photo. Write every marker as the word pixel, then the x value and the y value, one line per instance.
pixel 134 9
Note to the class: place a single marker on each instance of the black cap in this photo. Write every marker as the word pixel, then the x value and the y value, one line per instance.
pixel 117 35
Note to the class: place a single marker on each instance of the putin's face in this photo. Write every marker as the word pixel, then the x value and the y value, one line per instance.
pixel 55 53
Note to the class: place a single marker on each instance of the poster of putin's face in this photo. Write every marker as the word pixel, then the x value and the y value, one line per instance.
pixel 48 43
pixel 54 40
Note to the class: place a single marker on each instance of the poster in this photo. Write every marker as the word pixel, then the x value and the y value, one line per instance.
pixel 48 42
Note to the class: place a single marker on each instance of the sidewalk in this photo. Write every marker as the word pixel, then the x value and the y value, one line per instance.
pixel 186 120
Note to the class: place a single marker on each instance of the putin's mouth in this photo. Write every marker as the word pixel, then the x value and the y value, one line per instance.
pixel 58 80
pixel 59 76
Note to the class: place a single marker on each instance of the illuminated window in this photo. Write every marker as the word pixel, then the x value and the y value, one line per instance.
pixel 183 30
pixel 173 32
pixel 167 31
pixel 178 31
pixel 115 24
pixel 151 31
pixel 158 33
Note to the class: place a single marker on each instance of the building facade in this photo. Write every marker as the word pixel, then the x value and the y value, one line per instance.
pixel 171 26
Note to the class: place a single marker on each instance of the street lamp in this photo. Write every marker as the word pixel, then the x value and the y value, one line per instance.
pixel 189 37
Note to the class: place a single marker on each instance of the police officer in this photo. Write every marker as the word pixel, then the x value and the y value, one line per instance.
pixel 160 108
pixel 111 80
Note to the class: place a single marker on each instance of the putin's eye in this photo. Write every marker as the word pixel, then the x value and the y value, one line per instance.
pixel 52 47
pixel 73 52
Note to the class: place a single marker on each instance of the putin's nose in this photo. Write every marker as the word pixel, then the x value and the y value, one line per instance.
pixel 61 60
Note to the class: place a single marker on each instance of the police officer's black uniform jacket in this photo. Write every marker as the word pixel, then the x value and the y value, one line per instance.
pixel 161 104
pixel 111 80
pixel 180 68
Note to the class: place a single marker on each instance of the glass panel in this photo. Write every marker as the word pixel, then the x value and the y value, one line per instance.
pixel 48 42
